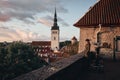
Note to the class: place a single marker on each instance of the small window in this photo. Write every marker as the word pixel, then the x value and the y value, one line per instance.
pixel 54 38
pixel 106 45
pixel 54 32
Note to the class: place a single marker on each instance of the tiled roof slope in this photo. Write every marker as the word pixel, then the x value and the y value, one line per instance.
pixel 105 12
pixel 41 43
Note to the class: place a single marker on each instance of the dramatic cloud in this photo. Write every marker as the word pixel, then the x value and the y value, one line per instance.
pixel 22 9
pixel 63 22
pixel 16 15
pixel 48 21
pixel 16 34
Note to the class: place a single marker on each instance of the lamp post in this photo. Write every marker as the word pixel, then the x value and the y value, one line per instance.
pixel 98 49
pixel 98 45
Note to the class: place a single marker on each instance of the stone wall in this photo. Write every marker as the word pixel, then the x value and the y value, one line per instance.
pixel 46 71
pixel 107 36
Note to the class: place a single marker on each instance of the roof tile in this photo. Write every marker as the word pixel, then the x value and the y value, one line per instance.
pixel 105 12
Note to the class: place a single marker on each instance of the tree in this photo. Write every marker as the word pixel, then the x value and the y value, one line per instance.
pixel 65 43
pixel 18 58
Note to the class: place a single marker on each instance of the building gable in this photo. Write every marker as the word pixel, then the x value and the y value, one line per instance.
pixel 105 12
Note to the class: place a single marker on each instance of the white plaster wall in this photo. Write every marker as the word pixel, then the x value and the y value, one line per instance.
pixel 54 43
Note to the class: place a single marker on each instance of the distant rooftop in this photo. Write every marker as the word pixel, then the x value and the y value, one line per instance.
pixel 105 12
pixel 41 43
pixel 74 38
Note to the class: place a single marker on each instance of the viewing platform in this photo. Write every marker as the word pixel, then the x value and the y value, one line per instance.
pixel 74 68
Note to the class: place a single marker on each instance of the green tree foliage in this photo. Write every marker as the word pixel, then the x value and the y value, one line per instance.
pixel 18 58
pixel 65 43
pixel 69 48
pixel 73 48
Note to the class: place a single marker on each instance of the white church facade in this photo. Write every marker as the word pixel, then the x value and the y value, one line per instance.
pixel 46 49
pixel 55 34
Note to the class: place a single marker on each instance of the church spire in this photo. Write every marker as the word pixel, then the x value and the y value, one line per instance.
pixel 55 25
pixel 55 34
pixel 55 18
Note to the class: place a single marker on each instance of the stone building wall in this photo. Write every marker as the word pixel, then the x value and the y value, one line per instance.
pixel 106 37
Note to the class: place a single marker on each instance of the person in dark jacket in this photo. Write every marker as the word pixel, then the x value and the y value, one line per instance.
pixel 87 47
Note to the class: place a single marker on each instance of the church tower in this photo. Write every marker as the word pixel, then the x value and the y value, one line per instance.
pixel 55 34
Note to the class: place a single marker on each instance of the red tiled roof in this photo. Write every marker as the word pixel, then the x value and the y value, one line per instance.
pixel 105 12
pixel 41 43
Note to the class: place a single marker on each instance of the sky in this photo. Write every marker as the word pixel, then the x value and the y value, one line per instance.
pixel 31 20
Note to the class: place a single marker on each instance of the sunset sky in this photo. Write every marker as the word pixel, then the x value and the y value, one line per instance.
pixel 31 20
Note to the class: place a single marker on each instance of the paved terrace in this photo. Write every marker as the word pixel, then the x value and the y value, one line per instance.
pixel 74 68
pixel 46 71
pixel 111 72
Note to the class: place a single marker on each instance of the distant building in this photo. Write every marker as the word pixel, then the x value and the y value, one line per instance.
pixel 71 48
pixel 49 49
pixel 101 24
pixel 42 48
pixel 55 34
pixel 5 43
pixel 73 40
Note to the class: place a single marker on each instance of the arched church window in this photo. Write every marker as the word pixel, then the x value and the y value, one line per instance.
pixel 54 38
pixel 54 32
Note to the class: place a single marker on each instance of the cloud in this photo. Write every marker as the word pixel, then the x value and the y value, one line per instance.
pixel 48 21
pixel 22 9
pixel 7 34
pixel 17 34
pixel 45 22
pixel 64 38
pixel 16 15
pixel 63 22
pixel 4 17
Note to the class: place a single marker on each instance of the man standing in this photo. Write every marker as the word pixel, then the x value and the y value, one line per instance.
pixel 87 47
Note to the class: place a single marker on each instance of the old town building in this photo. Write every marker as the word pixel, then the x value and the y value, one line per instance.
pixel 101 24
